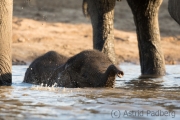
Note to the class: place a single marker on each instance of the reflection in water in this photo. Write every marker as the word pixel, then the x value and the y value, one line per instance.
pixel 132 98
pixel 145 83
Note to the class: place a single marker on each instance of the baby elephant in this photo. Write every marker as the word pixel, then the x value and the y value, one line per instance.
pixel 42 68
pixel 89 68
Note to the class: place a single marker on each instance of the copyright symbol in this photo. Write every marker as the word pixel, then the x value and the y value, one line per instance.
pixel 115 113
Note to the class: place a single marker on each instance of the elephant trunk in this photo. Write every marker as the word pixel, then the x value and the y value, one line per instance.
pixel 110 74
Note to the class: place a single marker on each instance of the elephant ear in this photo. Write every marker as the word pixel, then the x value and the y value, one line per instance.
pixel 85 9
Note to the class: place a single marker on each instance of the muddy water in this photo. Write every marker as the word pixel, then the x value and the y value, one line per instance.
pixel 131 99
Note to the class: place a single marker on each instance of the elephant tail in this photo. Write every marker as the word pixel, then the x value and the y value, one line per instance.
pixel 85 8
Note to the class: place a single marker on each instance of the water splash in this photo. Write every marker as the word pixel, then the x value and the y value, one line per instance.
pixel 27 101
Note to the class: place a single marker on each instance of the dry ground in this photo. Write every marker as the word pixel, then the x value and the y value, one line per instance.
pixel 43 25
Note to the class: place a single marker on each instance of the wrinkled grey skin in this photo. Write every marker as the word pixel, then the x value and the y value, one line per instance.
pixel 5 42
pixel 174 10
pixel 145 14
pixel 42 68
pixel 90 68
pixel 101 13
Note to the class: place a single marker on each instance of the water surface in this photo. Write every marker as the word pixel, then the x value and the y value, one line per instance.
pixel 133 98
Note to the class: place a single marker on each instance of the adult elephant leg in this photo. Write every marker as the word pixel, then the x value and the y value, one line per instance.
pixel 5 41
pixel 147 27
pixel 102 15
pixel 174 10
